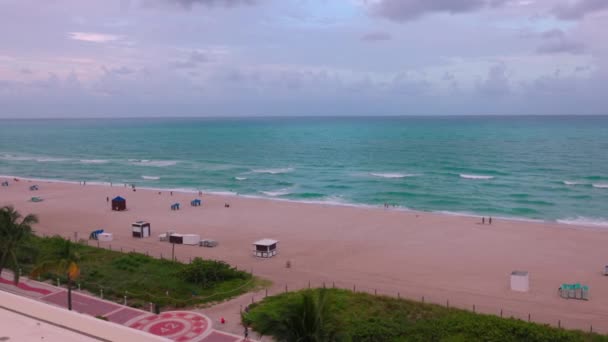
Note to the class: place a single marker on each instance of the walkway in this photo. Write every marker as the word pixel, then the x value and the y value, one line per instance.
pixel 181 326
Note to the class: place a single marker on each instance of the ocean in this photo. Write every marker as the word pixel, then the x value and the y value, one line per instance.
pixel 519 167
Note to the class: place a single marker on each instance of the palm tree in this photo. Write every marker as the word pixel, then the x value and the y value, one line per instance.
pixel 308 320
pixel 14 232
pixel 64 261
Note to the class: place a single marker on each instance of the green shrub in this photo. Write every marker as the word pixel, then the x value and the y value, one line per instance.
pixel 145 279
pixel 207 273
pixel 363 317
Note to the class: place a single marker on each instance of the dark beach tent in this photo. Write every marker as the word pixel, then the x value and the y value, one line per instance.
pixel 119 203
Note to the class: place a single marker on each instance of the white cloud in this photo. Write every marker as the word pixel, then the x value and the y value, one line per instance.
pixel 94 37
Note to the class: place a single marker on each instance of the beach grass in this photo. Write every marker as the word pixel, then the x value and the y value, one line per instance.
pixel 364 317
pixel 143 279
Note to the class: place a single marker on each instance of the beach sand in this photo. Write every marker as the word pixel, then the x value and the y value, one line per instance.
pixel 442 258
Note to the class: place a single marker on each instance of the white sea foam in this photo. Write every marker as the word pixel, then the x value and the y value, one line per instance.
pixel 585 221
pixel 600 185
pixel 93 161
pixel 465 176
pixel 274 171
pixel 276 193
pixel 156 163
pixel 40 159
pixel 392 175
pixel 240 178
pixel 150 177
pixel 49 159
pixel 574 183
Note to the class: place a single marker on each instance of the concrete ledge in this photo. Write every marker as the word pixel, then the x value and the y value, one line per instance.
pixel 80 323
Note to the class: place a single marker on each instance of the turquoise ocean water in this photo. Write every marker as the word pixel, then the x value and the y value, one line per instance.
pixel 547 168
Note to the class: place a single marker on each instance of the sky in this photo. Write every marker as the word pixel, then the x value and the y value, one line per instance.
pixel 139 58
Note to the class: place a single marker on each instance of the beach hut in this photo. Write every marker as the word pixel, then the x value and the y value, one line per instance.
pixel 265 248
pixel 175 206
pixel 119 203
pixel 520 281
pixel 195 202
pixel 141 229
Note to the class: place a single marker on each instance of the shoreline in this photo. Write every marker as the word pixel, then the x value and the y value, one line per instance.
pixel 572 223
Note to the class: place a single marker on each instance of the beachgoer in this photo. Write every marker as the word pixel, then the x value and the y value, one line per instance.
pixel 107 199
pixel 483 220
pixel 246 333
pixel 171 193
pixel 490 220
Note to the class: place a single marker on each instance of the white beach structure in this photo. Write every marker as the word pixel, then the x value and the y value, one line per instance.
pixel 105 237
pixel 265 248
pixel 520 281
pixel 141 229
pixel 185 239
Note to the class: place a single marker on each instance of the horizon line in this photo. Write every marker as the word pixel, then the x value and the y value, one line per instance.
pixel 297 116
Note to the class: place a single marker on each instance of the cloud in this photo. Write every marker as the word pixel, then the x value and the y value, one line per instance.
pixel 406 10
pixel 194 60
pixel 188 4
pixel 496 83
pixel 376 36
pixel 556 41
pixel 579 9
pixel 93 37
pixel 123 70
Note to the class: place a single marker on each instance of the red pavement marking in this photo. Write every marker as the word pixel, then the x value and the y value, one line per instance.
pixel 179 326
pixel 217 336
pixel 125 315
pixel 26 287
pixel 83 304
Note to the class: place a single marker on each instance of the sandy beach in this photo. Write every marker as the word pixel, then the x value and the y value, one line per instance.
pixel 442 258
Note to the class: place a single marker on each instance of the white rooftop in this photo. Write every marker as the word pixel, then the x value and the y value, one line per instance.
pixel 265 242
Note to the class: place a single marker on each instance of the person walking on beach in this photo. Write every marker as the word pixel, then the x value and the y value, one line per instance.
pixel 483 220
pixel 107 199
pixel 490 220
pixel 246 333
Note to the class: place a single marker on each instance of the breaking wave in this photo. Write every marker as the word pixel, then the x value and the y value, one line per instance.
pixel 157 163
pixel 465 176
pixel 392 175
pixel 274 171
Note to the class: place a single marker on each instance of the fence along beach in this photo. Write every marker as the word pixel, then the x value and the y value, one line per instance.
pixel 449 260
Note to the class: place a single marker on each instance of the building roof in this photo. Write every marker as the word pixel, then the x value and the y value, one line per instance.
pixel 265 242
pixel 118 198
